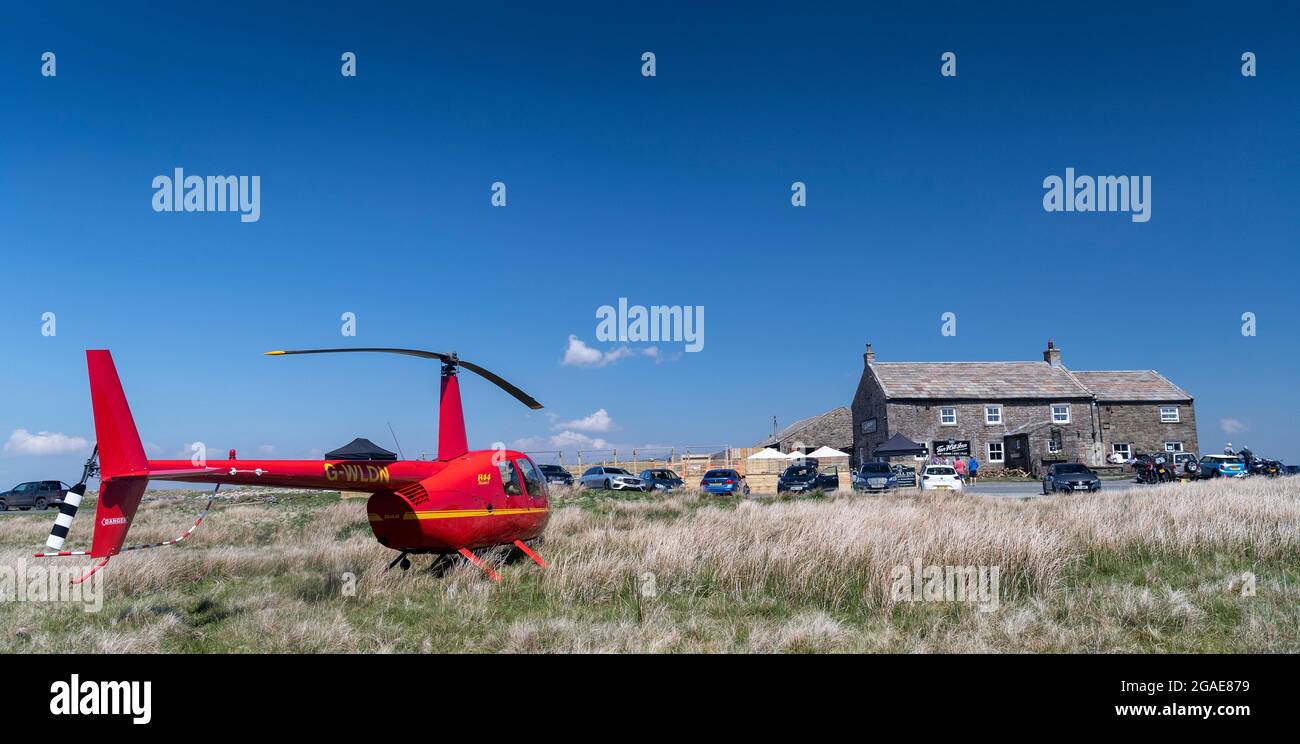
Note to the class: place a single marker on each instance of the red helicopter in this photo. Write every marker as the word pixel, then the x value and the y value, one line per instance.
pixel 463 501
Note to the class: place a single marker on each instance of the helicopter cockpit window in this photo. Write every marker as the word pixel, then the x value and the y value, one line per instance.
pixel 533 478
pixel 509 479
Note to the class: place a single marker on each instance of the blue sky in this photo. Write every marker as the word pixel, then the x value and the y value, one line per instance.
pixel 924 197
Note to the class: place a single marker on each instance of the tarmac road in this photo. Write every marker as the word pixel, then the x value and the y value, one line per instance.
pixel 1030 489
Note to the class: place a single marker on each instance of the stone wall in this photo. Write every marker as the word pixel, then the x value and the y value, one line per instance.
pixel 919 420
pixel 1139 425
pixel 869 403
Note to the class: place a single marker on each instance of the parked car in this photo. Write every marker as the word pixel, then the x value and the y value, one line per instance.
pixel 658 479
pixel 556 475
pixel 1290 470
pixel 725 481
pixel 1185 463
pixel 905 476
pixel 798 478
pixel 611 479
pixel 876 476
pixel 829 478
pixel 1222 466
pixel 33 495
pixel 940 478
pixel 1070 476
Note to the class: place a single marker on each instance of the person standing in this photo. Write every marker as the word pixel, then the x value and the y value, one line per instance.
pixel 974 468
pixel 959 465
pixel 1245 454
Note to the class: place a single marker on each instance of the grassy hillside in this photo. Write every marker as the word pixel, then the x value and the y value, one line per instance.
pixel 1156 569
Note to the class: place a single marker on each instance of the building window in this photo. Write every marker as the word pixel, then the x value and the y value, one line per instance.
pixel 1053 446
pixel 1168 414
pixel 1122 449
pixel 995 452
pixel 947 416
pixel 1060 413
pixel 1173 446
pixel 993 415
pixel 869 426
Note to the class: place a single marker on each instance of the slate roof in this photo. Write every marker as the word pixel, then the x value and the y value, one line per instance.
pixel 1139 385
pixel 977 380
pixel 837 424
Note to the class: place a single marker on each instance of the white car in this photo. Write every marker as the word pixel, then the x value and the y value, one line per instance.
pixel 613 479
pixel 940 478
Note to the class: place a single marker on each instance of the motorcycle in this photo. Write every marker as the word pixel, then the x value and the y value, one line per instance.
pixel 1153 469
pixel 1267 468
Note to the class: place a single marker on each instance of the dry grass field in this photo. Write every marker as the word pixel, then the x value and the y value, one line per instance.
pixel 1149 570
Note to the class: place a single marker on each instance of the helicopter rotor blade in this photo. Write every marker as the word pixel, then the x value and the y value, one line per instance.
pixel 451 359
pixel 408 352
pixel 492 377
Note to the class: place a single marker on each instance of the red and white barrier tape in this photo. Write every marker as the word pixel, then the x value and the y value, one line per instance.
pixel 174 541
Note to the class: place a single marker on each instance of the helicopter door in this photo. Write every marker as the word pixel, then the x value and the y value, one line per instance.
pixel 511 483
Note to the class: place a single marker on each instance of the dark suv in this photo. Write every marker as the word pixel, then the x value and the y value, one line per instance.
pixel 877 476
pixel 39 494
pixel 798 478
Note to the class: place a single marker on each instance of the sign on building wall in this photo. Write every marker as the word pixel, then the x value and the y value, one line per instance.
pixel 951 448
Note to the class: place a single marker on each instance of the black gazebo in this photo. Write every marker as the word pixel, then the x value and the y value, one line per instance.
pixel 899 446
pixel 361 449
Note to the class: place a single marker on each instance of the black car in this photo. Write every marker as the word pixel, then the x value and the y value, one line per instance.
pixel 877 476
pixel 1070 476
pixel 556 474
pixel 659 479
pixel 799 478
pixel 1290 470
pixel 33 494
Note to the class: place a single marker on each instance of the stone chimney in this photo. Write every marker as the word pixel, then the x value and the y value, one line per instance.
pixel 869 358
pixel 1051 354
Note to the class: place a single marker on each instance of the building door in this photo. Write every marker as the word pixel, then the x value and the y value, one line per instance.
pixel 1017 451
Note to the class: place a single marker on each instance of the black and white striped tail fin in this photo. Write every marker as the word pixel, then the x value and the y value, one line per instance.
pixel 67 513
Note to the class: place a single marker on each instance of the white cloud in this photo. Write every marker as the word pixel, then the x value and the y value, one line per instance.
pixel 1232 426
pixel 575 440
pixel 529 443
pixel 569 440
pixel 266 450
pixel 579 354
pixel 600 421
pixel 24 442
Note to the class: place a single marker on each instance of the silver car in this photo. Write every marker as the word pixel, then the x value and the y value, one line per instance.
pixel 612 479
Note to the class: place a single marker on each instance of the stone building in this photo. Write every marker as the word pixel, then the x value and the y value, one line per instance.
pixel 1141 411
pixel 1020 414
pixel 832 429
